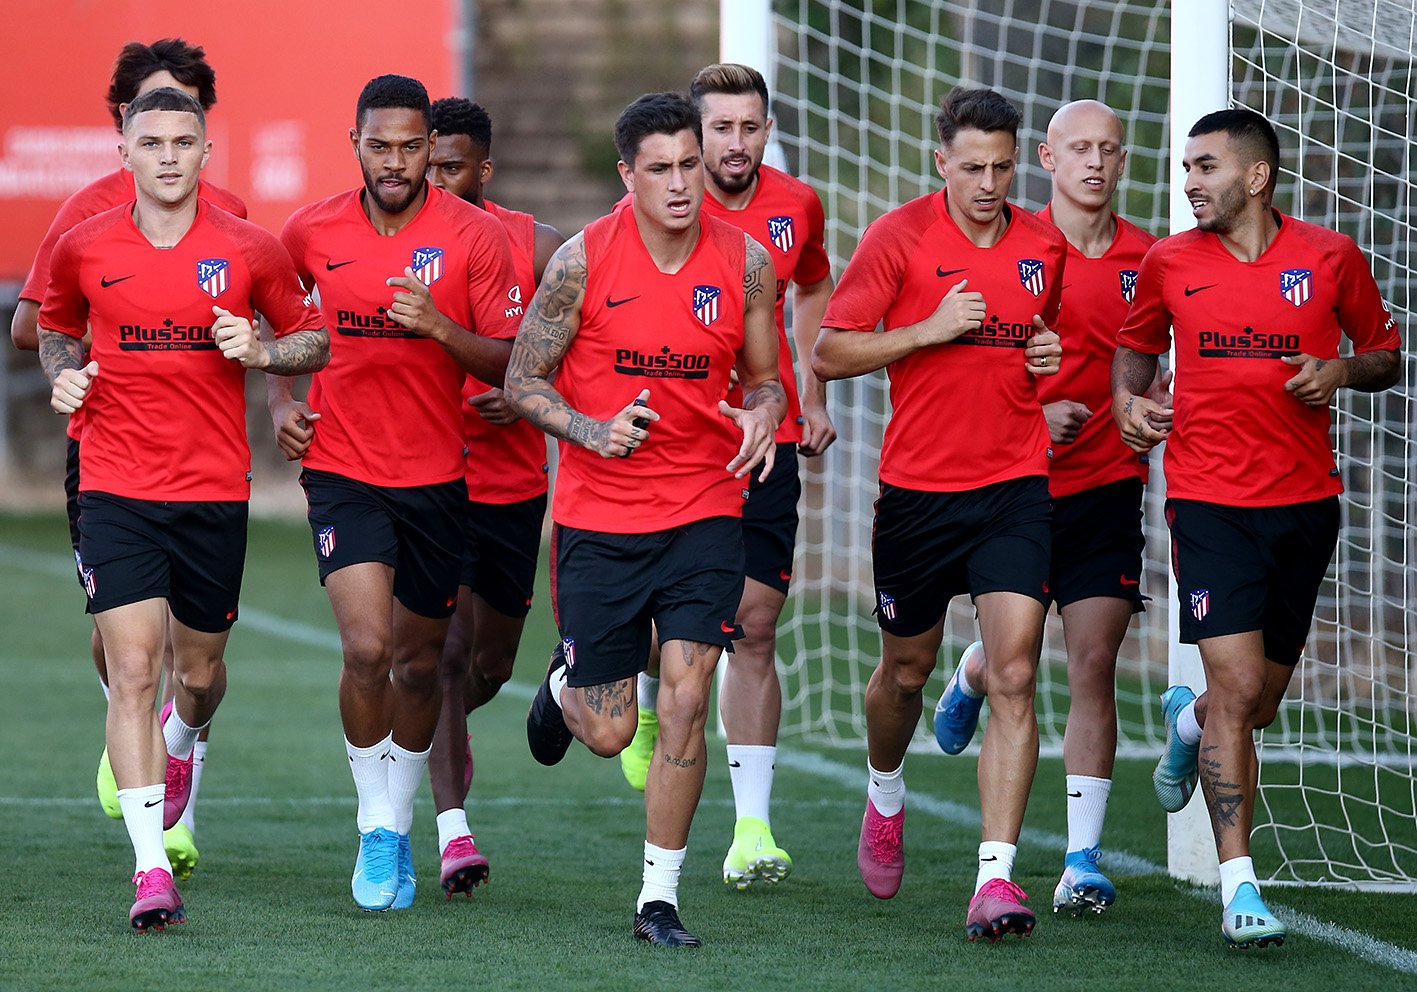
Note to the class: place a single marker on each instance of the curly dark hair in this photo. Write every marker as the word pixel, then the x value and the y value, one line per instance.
pixel 136 62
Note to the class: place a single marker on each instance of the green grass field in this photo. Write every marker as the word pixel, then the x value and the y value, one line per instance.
pixel 269 906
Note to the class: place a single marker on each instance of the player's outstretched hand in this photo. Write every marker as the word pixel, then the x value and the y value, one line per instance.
pixel 413 305
pixel 1317 379
pixel 758 434
pixel 1144 423
pixel 1043 353
pixel 1065 418
pixel 817 430
pixel 294 423
pixel 959 313
pixel 492 406
pixel 238 340
pixel 71 388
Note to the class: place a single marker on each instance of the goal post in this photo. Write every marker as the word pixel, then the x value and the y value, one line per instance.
pixel 853 91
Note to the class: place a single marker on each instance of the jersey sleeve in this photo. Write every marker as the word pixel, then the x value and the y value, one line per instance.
pixel 813 265
pixel 65 309
pixel 295 238
pixel 1147 328
pixel 1362 312
pixel 494 296
pixel 228 201
pixel 275 288
pixel 870 284
pixel 71 213
pixel 1053 303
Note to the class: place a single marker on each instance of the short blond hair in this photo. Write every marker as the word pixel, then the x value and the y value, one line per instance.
pixel 730 78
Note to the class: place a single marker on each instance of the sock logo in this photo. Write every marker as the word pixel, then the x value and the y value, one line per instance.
pixel 151 804
pixel 735 764
pixel 992 857
pixel 649 862
pixel 1075 795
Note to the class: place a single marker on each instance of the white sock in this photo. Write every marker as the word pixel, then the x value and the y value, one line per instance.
pixel 557 682
pixel 996 860
pixel 648 690
pixel 368 765
pixel 1087 806
pixel 104 686
pixel 750 767
pixel 886 790
pixel 961 678
pixel 142 815
pixel 1233 874
pixel 661 876
pixel 1186 726
pixel 452 824
pixel 179 737
pixel 406 770
pixel 199 759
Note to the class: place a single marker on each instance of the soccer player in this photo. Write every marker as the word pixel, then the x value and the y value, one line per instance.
pixel 785 216
pixel 138 69
pixel 167 286
pixel 965 285
pixel 506 486
pixel 1258 301
pixel 1096 486
pixel 419 288
pixel 660 301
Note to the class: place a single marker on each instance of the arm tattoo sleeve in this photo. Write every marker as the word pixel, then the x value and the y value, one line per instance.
pixel 757 270
pixel 1373 371
pixel 58 352
pixel 298 353
pixel 767 392
pixel 1133 371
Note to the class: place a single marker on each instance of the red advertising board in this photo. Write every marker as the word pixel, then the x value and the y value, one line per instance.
pixel 288 74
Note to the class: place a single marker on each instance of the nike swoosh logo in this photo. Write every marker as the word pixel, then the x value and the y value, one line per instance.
pixel 1074 795
pixel 1193 292
pixel 105 283
pixel 948 272
pixel 1130 582
pixel 649 862
pixel 735 764
pixel 992 857
pixel 151 804
pixel 615 303
pixel 331 265
pixel 726 627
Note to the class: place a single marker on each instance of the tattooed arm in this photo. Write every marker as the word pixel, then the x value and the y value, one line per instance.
pixel 547 330
pixel 1132 375
pixel 764 402
pixel 62 358
pixel 1317 379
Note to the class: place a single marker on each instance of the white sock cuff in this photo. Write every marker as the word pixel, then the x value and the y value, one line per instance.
pixel 401 753
pixel 557 682
pixel 962 680
pixel 1087 783
pixel 1235 873
pixel 663 857
pixel 372 751
pixel 887 781
pixel 1187 728
pixel 452 823
pixel 647 688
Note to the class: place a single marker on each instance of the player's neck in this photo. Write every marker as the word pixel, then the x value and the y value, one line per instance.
pixel 1251 235
pixel 164 224
pixel 388 224
pixel 984 235
pixel 1091 232
pixel 669 250
pixel 732 201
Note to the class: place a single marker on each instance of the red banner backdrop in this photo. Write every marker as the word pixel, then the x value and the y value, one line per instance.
pixel 288 74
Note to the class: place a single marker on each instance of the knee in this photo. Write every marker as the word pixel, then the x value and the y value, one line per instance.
pixel 367 655
pixel 1012 680
pixel 759 623
pixel 418 675
pixel 683 708
pixel 493 665
pixel 607 738
pixel 198 678
pixel 132 675
pixel 906 676
pixel 1242 705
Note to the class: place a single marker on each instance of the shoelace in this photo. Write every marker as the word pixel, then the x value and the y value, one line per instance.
pixel 1089 855
pixel 1000 888
pixel 178 774
pixel 460 847
pixel 883 837
pixel 379 859
pixel 151 883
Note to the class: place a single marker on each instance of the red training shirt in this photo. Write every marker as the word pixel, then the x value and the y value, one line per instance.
pixel 964 414
pixel 390 401
pixel 785 217
pixel 1238 438
pixel 1096 296
pixel 167 413
pixel 677 335
pixel 505 464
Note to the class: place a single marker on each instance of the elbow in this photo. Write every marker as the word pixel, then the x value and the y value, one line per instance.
pixel 23 334
pixel 823 368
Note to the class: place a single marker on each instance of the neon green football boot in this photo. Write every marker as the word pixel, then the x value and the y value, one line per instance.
pixel 635 759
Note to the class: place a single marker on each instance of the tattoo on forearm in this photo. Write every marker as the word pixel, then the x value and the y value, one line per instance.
pixel 678 762
pixel 766 392
pixel 1223 798
pixel 586 431
pixel 614 698
pixel 296 354
pixel 1372 371
pixel 756 264
pixel 1133 371
pixel 58 352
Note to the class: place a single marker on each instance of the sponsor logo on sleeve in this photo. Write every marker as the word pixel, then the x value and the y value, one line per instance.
pixel 515 295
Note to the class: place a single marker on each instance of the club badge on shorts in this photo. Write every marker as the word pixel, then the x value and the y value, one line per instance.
pixel 1200 604
pixel 326 541
pixel 887 605
pixel 568 651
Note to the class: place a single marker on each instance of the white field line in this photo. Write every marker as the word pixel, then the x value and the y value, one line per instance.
pixel 850 777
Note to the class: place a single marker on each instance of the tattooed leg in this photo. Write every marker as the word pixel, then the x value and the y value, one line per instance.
pixel 602 717
pixel 676 775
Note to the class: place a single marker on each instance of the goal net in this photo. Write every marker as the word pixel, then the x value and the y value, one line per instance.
pixel 855 90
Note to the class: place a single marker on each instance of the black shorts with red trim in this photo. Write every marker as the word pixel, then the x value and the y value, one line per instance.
pixel 770 521
pixel 416 530
pixel 191 554
pixel 928 547
pixel 503 541
pixel 1098 545
pixel 609 589
pixel 1245 568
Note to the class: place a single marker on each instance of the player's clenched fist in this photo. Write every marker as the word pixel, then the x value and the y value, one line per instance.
pixel 71 388
pixel 1043 353
pixel 619 436
pixel 959 313
pixel 238 340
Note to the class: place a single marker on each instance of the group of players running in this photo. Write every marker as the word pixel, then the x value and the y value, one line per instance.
pixel 655 350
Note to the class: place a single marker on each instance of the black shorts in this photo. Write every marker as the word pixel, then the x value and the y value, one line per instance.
pixel 499 559
pixel 417 531
pixel 770 521
pixel 1243 568
pixel 1098 544
pixel 608 588
pixel 927 548
pixel 191 554
pixel 71 504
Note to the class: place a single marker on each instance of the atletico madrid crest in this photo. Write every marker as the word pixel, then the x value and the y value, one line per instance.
pixel 213 275
pixel 887 606
pixel 1297 285
pixel 1200 604
pixel 780 233
pixel 1030 273
pixel 706 304
pixel 326 540
pixel 1129 283
pixel 568 651
pixel 428 265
